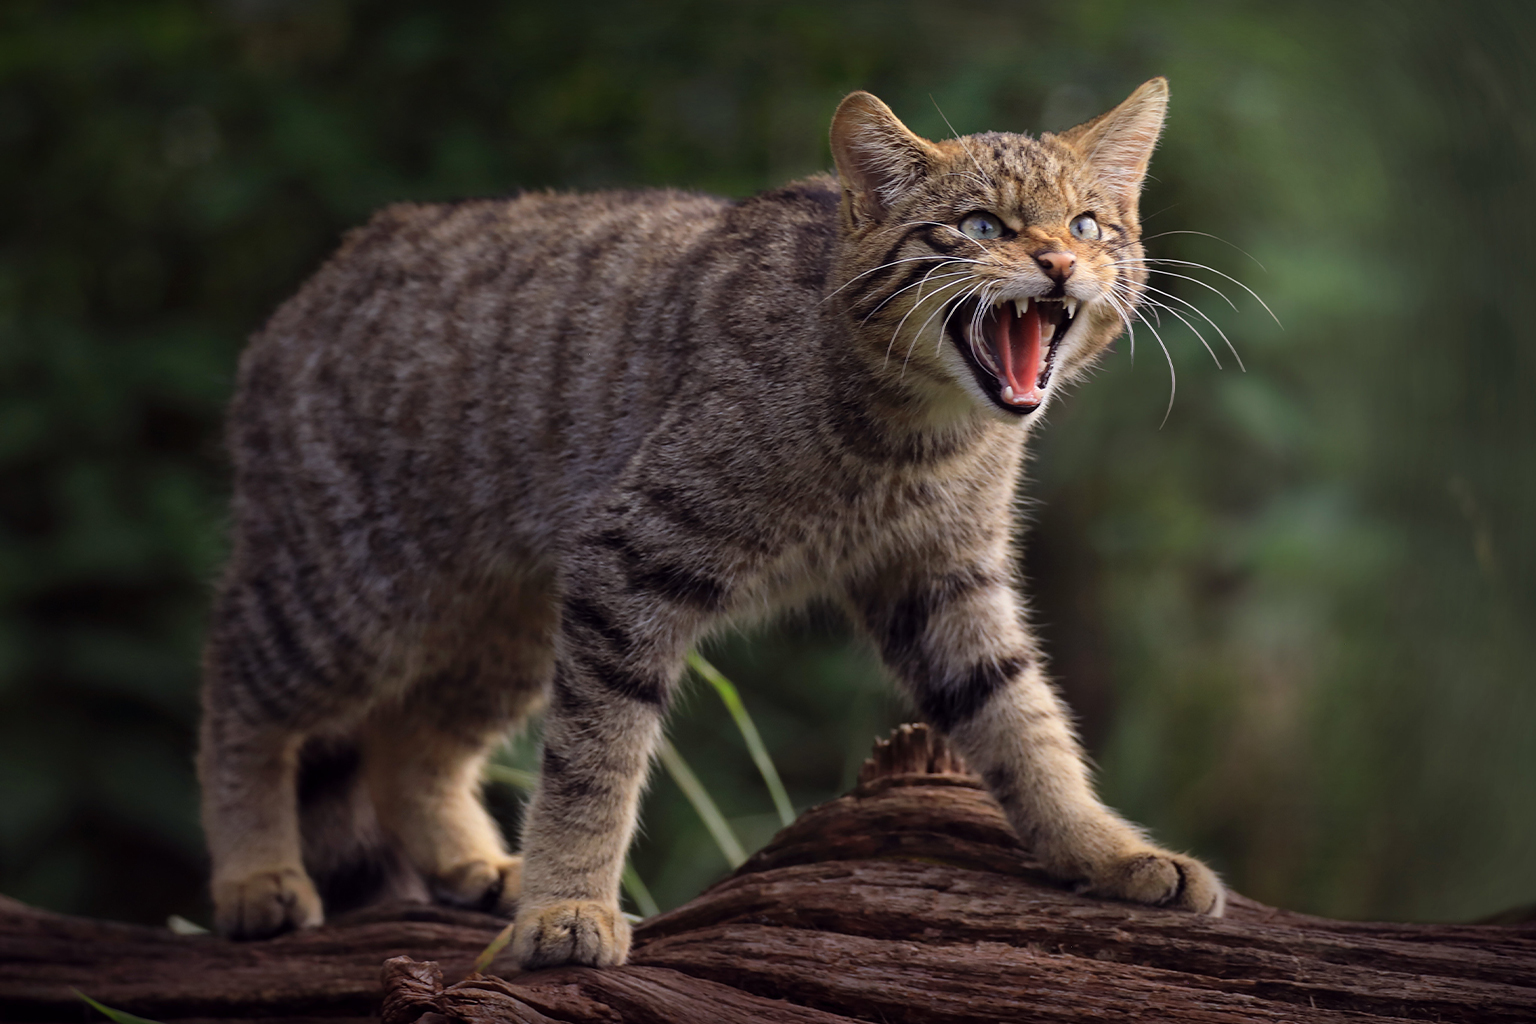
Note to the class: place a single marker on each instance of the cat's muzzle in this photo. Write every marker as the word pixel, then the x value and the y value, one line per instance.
pixel 1011 347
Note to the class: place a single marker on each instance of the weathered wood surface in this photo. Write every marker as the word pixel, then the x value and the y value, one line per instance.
pixel 907 900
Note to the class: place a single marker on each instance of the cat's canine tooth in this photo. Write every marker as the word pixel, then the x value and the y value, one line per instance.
pixel 1019 307
pixel 1047 332
pixel 1071 306
pixel 1007 393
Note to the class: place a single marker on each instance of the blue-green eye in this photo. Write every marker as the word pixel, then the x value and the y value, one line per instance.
pixel 1085 227
pixel 982 226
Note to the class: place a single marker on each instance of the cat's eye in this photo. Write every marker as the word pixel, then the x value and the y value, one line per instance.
pixel 1085 227
pixel 981 225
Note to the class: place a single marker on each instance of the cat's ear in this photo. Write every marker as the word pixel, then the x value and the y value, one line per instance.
pixel 877 156
pixel 1118 145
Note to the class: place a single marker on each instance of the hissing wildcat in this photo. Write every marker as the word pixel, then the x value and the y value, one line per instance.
pixel 504 452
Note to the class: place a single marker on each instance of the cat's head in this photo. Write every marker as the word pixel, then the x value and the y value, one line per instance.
pixel 998 263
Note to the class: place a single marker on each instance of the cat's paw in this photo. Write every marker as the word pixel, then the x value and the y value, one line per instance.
pixel 581 932
pixel 265 903
pixel 482 884
pixel 1162 879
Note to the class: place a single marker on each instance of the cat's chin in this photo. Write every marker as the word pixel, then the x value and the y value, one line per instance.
pixel 983 393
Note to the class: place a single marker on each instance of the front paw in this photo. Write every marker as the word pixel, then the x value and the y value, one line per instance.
pixel 482 884
pixel 1162 879
pixel 265 903
pixel 572 932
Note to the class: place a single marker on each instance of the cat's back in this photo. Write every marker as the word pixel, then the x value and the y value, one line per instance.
pixel 496 355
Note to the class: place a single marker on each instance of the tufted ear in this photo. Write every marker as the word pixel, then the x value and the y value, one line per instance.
pixel 1118 145
pixel 877 157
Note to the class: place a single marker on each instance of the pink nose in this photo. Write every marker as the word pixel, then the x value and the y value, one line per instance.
pixel 1057 265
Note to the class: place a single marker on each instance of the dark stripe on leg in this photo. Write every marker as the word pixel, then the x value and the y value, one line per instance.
pixel 680 585
pixel 590 616
pixel 953 702
pixel 900 626
pixel 615 678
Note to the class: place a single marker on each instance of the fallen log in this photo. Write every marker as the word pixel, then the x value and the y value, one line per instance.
pixel 909 899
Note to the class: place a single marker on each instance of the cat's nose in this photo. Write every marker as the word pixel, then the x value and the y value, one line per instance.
pixel 1057 265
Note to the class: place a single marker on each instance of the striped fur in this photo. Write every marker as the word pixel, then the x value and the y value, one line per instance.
pixel 506 454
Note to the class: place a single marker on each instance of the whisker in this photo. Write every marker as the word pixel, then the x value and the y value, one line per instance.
pixel 944 325
pixel 1182 277
pixel 917 284
pixel 1229 277
pixel 1116 304
pixel 962 141
pixel 1175 313
pixel 1201 313
pixel 1173 377
pixel 1207 234
pixel 956 301
pixel 920 300
pixel 951 227
pixel 892 263
pixel 915 306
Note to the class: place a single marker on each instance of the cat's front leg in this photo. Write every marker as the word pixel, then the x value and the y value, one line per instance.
pixel 616 661
pixel 957 639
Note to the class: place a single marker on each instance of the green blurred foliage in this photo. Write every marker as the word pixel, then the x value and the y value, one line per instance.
pixel 1289 618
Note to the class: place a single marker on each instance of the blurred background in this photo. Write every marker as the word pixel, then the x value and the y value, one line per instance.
pixel 1295 619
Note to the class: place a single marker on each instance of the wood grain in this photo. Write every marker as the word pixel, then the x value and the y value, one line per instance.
pixel 906 900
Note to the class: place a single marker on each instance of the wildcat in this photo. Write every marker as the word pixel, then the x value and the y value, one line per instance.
pixel 503 452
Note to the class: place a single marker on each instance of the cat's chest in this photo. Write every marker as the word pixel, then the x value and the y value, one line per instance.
pixel 875 520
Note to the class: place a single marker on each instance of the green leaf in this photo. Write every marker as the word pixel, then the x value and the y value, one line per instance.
pixel 644 901
pixel 755 746
pixel 694 790
pixel 114 1015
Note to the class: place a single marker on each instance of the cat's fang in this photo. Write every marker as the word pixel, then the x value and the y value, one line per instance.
pixel 1071 305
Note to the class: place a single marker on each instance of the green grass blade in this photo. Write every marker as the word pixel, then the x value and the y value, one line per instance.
pixel 738 710
pixel 518 777
pixel 694 790
pixel 644 901
pixel 118 1016
pixel 496 945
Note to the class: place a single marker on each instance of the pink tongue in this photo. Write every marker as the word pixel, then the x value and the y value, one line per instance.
pixel 1017 342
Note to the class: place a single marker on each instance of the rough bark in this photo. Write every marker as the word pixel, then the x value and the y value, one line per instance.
pixel 907 900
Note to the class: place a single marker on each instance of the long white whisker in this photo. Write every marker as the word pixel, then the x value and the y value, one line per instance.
pixel 1229 277
pixel 960 300
pixel 951 227
pixel 1207 234
pixel 1182 277
pixel 965 145
pixel 897 332
pixel 1201 313
pixel 944 325
pixel 921 298
pixel 1173 377
pixel 1116 304
pixel 1175 313
pixel 908 259
pixel 924 280
pixel 956 300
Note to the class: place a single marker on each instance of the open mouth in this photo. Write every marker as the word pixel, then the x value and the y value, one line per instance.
pixel 1012 346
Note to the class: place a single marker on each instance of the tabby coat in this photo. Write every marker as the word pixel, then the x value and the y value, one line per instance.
pixel 509 452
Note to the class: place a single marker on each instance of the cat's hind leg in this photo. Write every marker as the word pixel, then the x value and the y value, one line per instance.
pixel 484 671
pixel 264 689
